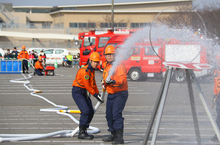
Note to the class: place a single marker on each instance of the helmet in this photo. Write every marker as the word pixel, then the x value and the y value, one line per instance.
pixel 39 57
pixel 110 49
pixel 23 47
pixel 95 56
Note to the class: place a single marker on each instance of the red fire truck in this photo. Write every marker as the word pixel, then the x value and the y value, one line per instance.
pixel 95 41
pixel 143 61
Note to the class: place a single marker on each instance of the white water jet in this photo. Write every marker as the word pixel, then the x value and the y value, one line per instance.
pixel 158 33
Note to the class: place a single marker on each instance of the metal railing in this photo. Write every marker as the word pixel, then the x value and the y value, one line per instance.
pixel 11 21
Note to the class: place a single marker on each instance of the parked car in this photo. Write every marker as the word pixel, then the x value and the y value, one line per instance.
pixel 52 54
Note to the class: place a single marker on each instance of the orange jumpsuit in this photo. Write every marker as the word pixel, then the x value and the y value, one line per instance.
pixel 117 96
pixel 24 54
pixel 120 76
pixel 38 65
pixel 85 81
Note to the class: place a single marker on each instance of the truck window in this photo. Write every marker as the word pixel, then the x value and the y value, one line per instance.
pixel 149 50
pixel 136 50
pixel 59 51
pixel 103 41
pixel 48 51
pixel 87 42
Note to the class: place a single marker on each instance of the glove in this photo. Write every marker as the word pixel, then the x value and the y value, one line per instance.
pixel 110 81
pixel 98 97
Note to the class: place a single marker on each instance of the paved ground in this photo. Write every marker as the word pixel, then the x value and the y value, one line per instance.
pixel 20 112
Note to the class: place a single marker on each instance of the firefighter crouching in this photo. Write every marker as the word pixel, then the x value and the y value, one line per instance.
pixel 85 81
pixel 24 55
pixel 117 89
pixel 39 66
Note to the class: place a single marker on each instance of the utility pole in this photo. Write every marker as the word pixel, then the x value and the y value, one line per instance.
pixel 112 14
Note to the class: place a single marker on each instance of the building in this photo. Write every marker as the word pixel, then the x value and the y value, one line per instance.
pixel 72 19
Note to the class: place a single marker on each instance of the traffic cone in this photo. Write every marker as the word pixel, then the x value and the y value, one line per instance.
pixel 56 64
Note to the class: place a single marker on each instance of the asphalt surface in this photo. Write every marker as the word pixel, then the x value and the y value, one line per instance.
pixel 20 112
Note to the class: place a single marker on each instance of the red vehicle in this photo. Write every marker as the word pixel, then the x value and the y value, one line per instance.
pixel 143 61
pixel 95 41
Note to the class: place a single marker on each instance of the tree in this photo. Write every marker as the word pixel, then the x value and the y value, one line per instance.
pixel 187 17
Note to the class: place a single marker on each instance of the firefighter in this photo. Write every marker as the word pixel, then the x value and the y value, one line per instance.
pixel 39 67
pixel 117 89
pixel 24 56
pixel 216 98
pixel 85 81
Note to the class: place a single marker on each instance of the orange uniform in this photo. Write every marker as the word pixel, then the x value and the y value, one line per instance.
pixel 23 54
pixel 217 82
pixel 120 76
pixel 38 65
pixel 86 79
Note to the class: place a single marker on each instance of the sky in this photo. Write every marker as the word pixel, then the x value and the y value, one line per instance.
pixel 79 2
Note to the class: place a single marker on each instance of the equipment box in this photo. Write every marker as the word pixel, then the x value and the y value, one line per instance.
pixel 10 67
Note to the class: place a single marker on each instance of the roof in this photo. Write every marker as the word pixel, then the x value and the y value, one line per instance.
pixel 85 3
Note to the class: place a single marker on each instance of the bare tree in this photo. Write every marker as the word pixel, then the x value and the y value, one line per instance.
pixel 187 17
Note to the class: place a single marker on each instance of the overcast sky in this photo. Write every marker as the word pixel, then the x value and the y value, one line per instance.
pixel 79 2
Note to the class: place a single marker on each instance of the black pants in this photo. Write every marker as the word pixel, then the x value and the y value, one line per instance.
pixel 25 65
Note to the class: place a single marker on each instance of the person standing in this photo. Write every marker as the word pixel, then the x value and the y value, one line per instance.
pixel 117 88
pixel 39 66
pixel 14 53
pixel 8 54
pixel 24 56
pixel 43 56
pixel 83 82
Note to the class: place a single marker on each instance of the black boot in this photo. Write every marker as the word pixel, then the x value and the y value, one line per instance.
pixel 110 138
pixel 83 133
pixel 119 137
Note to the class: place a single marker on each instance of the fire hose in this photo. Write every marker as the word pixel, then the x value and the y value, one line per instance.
pixel 62 110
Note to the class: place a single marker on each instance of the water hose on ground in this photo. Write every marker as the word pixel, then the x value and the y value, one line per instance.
pixel 59 110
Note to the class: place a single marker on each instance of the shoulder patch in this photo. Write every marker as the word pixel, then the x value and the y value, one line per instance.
pixel 86 77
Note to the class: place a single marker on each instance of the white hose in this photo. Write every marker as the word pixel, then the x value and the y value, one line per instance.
pixel 62 133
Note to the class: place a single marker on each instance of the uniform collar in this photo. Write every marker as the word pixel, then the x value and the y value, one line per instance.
pixel 90 67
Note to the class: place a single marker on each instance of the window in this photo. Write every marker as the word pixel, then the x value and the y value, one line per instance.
pixel 149 50
pixel 134 25
pixel 136 50
pixel 139 25
pixel 82 25
pixel 91 25
pixel 46 25
pixel 73 25
pixel 122 24
pixel 103 41
pixel 104 25
pixel 50 51
pixel 89 41
pixel 40 11
pixel 59 51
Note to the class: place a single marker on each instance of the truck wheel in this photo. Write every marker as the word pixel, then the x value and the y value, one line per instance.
pixel 179 76
pixel 135 74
